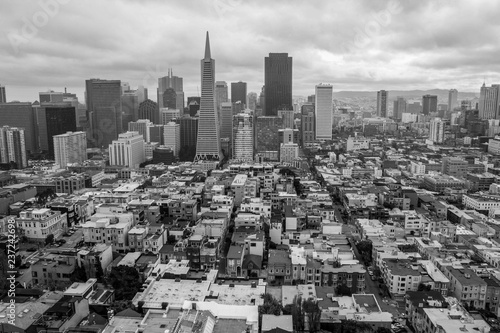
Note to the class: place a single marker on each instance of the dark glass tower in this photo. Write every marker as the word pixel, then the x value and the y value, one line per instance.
pixel 278 83
pixel 239 93
pixel 54 119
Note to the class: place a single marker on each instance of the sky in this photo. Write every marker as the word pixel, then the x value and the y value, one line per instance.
pixel 353 45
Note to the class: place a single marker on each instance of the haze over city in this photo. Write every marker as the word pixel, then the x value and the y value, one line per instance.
pixel 361 45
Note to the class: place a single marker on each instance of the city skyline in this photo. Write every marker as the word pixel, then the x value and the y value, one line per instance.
pixel 429 56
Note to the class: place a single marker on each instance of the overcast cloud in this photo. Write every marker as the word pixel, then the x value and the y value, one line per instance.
pixel 354 45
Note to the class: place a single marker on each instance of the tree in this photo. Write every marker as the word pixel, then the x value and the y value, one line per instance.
pixel 424 287
pixel 313 312
pixel 383 330
pixel 171 240
pixel 49 239
pixel 78 275
pixel 125 281
pixel 352 326
pixel 298 314
pixel 365 250
pixel 271 305
pixel 99 273
pixel 343 290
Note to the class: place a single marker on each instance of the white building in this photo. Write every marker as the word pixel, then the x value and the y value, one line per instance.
pixel 417 168
pixel 407 117
pixel 289 152
pixel 436 130
pixel 141 126
pixel 494 146
pixel 357 143
pixel 324 111
pixel 128 150
pixel 37 224
pixel 70 147
pixel 172 137
pixel 167 115
pixel 243 141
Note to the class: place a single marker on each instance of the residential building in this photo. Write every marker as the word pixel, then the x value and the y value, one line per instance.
pixel 69 148
pixel 13 146
pixel 324 111
pixel 382 103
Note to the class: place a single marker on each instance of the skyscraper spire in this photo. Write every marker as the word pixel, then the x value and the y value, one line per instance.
pixel 207 48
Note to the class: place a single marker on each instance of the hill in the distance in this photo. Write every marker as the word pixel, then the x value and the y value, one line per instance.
pixel 408 94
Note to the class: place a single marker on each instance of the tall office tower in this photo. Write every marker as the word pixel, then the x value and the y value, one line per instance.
pixel 174 82
pixel 127 150
pixel 262 100
pixel 149 110
pixel 243 137
pixel 51 96
pixel 436 130
pixel 489 102
pixel 13 146
pixel 239 93
pixel 226 120
pixel 141 126
pixel 3 97
pixel 172 137
pixel 288 118
pixel 189 132
pixel 252 101
pixel 307 124
pixel 414 107
pixel 103 99
pixel 429 104
pixel 452 99
pixel 125 86
pixel 54 119
pixel 266 136
pixel 193 106
pixel 70 147
pixel 156 133
pixel 208 143
pixel 278 83
pixel 168 115
pixel 382 103
pixel 399 108
pixel 130 107
pixel 169 99
pixel 21 115
pixel 221 94
pixel 324 111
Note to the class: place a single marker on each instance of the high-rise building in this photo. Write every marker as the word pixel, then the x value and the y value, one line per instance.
pixel 163 154
pixel 175 83
pixel 172 137
pixel 287 135
pixel 70 147
pixel 208 143
pixel 243 137
pixel 226 121
pixel 399 108
pixel 262 101
pixel 51 97
pixel 168 115
pixel 156 133
pixel 54 119
pixel 149 110
pixel 308 124
pixel 252 101
pixel 239 92
pixel 141 126
pixel 189 131
pixel 130 107
pixel 324 111
pixel 382 103
pixel 266 136
pixel 489 102
pixel 12 146
pixel 429 104
pixel 221 94
pixel 21 115
pixel 193 105
pixel 436 130
pixel 169 99
pixel 288 118
pixel 3 97
pixel 127 150
pixel 278 83
pixel 452 99
pixel 289 152
pixel 103 99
